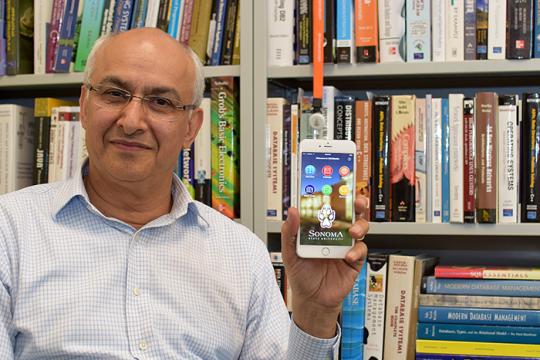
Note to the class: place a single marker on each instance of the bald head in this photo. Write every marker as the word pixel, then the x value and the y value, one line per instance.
pixel 150 41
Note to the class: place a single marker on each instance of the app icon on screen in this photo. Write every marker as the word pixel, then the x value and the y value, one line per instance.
pixel 343 190
pixel 326 189
pixel 344 171
pixel 310 170
pixel 327 170
pixel 310 189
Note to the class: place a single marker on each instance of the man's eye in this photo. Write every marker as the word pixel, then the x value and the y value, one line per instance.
pixel 161 102
pixel 115 93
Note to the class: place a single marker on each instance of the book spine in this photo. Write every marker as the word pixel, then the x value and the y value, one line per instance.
pixel 352 319
pixel 487 302
pixel 418 30
pixel 225 146
pixel 477 348
pixel 295 136
pixel 468 161
pixel 420 158
pixel 530 148
pixel 236 48
pixel 392 31
pixel 455 40
pixel 519 32
pixel 200 25
pixel 438 30
pixel 53 35
pixel 174 18
pixel 481 29
pixel 455 102
pixel 90 29
pixel 420 356
pixel 42 17
pixel 497 287
pixel 344 125
pixel 286 159
pixel 376 279
pixel 328 111
pixel 367 31
pixel 108 17
pixel 497 29
pixel 486 165
pixel 151 13
pixel 187 174
pixel 138 18
pixel 280 33
pixel 398 306
pixel 203 153
pixel 508 156
pixel 274 166
pixel 187 18
pixel 122 16
pixel 470 30
pixel 228 36
pixel 380 206
pixel 344 31
pixel 329 31
pixel 363 149
pixel 429 133
pixel 303 32
pixel 66 37
pixel 402 171
pixel 445 161
pixel 478 316
pixel 536 25
pixel 215 60
pixel 3 54
pixel 480 333
pixel 436 161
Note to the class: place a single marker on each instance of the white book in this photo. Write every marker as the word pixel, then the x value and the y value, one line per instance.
pixel 329 94
pixel 418 30
pixel 67 142
pixel 152 14
pixel 42 16
pixel 274 159
pixel 429 186
pixel 436 161
pixel 202 166
pixel 438 31
pixel 497 30
pixel 455 109
pixel 295 140
pixel 508 153
pixel 53 145
pixel 280 32
pixel 420 158
pixel 391 30
pixel 455 32
pixel 181 19
pixel 17 147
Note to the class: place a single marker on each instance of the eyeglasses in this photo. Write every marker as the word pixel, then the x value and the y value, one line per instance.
pixel 117 99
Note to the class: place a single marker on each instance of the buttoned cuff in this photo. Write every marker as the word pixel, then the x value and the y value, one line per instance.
pixel 304 346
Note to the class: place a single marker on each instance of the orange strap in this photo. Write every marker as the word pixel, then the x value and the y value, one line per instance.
pixel 318 48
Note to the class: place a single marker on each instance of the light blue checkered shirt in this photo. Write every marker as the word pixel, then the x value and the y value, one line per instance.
pixel 191 284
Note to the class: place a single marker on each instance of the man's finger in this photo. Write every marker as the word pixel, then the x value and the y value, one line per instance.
pixel 359 229
pixel 361 207
pixel 356 256
pixel 289 230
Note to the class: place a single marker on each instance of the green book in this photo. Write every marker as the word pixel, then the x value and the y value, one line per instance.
pixel 90 31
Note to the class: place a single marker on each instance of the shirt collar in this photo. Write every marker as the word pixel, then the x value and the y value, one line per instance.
pixel 74 187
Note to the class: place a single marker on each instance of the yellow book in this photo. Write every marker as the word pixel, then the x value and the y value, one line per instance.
pixel 236 50
pixel 200 23
pixel 477 348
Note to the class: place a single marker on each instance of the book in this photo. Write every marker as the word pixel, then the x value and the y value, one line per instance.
pixel 345 44
pixel 469 179
pixel 344 118
pixel 122 15
pixel 90 31
pixel 455 40
pixel 477 348
pixel 455 108
pixel 478 316
pixel 16 152
pixel 380 197
pixel 280 33
pixel 367 31
pixel 418 30
pixel 480 333
pixel 529 152
pixel 470 30
pixel 66 37
pixel 402 162
pixel 497 29
pixel 363 149
pixel 225 146
pixel 287 160
pixel 199 27
pixel 487 272
pixel 433 285
pixel 19 37
pixel 274 165
pixel 186 169
pixel 481 29
pixel 445 162
pixel 466 357
pixel 303 33
pixel 392 31
pixel 438 31
pixel 329 32
pixel 519 29
pixel 478 301
pixel 202 158
pixel 352 319
pixel 486 104
pixel 42 18
pixel 436 161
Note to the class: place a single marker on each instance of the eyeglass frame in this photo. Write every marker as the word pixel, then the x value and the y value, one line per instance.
pixel 187 107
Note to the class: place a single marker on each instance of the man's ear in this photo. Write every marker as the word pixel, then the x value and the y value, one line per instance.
pixel 83 99
pixel 194 124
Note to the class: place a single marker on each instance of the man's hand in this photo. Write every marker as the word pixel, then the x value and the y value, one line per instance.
pixel 320 285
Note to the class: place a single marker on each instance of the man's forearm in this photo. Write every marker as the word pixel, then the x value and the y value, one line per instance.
pixel 316 321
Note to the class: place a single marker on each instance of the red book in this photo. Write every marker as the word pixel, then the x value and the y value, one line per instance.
pixel 487 272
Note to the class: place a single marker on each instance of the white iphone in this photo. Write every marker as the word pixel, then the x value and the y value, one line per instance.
pixel 326 189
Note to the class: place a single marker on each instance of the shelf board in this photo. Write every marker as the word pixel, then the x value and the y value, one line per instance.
pixel 74 79
pixel 440 229
pixel 473 68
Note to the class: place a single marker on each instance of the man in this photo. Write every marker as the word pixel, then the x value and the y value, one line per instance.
pixel 119 262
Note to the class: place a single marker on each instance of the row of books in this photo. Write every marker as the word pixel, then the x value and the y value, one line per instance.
pixel 405 30
pixel 434 160
pixel 47 144
pixel 407 306
pixel 56 36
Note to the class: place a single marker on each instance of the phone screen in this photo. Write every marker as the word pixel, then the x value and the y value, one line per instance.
pixel 326 198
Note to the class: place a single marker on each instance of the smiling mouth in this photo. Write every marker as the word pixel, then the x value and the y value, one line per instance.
pixel 130 145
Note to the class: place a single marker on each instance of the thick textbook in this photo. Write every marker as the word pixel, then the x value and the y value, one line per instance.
pixel 478 316
pixel 432 285
pixel 481 333
pixel 479 301
pixel 477 348
pixel 487 272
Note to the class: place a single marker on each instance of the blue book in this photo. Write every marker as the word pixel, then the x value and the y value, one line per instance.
pixel 3 53
pixel 215 59
pixel 536 26
pixel 122 16
pixel 479 333
pixel 352 319
pixel 186 169
pixel 138 16
pixel 478 316
pixel 525 288
pixel 445 140
pixel 66 37
pixel 465 357
pixel 174 19
pixel 344 31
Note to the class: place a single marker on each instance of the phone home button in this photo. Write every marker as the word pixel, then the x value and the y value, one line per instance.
pixel 325 251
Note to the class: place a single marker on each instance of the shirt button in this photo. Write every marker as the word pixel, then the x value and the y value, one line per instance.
pixel 136 291
pixel 143 345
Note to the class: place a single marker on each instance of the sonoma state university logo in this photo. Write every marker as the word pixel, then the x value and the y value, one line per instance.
pixel 326 216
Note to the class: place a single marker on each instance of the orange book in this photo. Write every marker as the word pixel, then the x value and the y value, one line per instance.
pixel 366 28
pixel 363 148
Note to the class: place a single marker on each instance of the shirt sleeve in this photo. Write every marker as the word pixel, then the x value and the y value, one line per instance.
pixel 6 331
pixel 270 333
